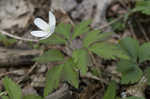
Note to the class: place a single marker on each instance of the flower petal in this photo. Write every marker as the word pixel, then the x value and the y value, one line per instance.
pixel 40 23
pixel 52 29
pixel 50 33
pixel 52 19
pixel 39 33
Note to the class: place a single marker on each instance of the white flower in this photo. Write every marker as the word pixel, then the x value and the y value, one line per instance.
pixel 46 28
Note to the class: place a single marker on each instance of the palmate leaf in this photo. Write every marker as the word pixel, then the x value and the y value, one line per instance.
pixel 81 28
pixel 131 47
pixel 111 91
pixel 143 6
pixel 14 91
pixel 65 71
pixel 124 66
pixel 144 52
pixel 94 36
pixel 53 39
pixel 50 56
pixel 52 79
pixel 105 35
pixel 64 29
pixel 132 76
pixel 134 97
pixel 69 74
pixel 131 73
pixel 91 37
pixel 107 51
pixel 32 97
pixel 80 57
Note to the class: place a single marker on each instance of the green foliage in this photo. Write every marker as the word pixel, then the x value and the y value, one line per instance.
pixel 54 39
pixel 50 56
pixel 142 6
pixel 144 52
pixel 5 97
pixel 130 47
pixel 52 79
pixel 65 71
pixel 111 91
pixel 107 51
pixel 91 37
pixel 81 58
pixel 131 73
pixel 32 97
pixel 64 29
pixel 14 91
pixel 7 41
pixel 81 28
pixel 94 36
pixel 134 97
pixel 130 70
pixel 104 36
pixel 69 73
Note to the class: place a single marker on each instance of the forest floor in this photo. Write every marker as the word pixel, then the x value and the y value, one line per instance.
pixel 17 16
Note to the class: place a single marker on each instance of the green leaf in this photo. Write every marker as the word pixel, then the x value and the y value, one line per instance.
pixel 50 56
pixel 144 52
pixel 53 39
pixel 70 74
pixel 5 97
pixel 52 79
pixel 134 97
pixel 14 91
pixel 80 57
pixel 111 91
pixel 91 37
pixel 94 36
pixel 32 97
pixel 131 73
pixel 124 66
pixel 107 51
pixel 142 6
pixel 147 74
pixel 105 35
pixel 64 29
pixel 131 47
pixel 81 28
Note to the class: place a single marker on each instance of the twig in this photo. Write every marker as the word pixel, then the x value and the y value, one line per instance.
pixel 62 92
pixel 90 76
pixel 17 37
pixel 93 59
pixel 112 22
pixel 132 31
pixel 30 71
